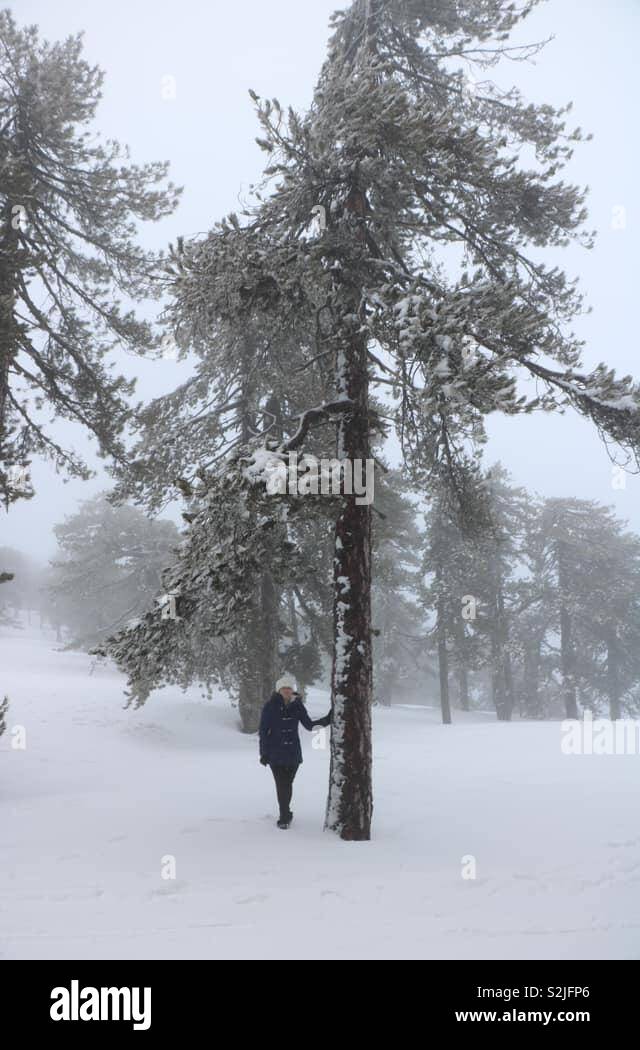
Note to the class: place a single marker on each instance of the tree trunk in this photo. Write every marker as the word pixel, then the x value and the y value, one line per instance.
pixel 8 244
pixel 248 699
pixel 270 634
pixel 350 801
pixel 443 655
pixel 293 617
pixel 509 682
pixel 502 698
pixel 19 192
pixel 383 661
pixel 568 663
pixel 531 689
pixel 613 676
pixel 567 650
pixel 463 686
pixel 258 676
pixel 497 678
pixel 463 664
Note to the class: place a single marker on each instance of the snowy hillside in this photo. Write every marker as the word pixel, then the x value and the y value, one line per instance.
pixel 101 796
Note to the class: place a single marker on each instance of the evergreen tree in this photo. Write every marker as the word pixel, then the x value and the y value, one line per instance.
pixel 450 595
pixel 502 547
pixel 233 531
pixel 5 577
pixel 473 591
pixel 108 568
pixel 398 624
pixel 532 628
pixel 617 616
pixel 567 526
pixel 400 160
pixel 21 592
pixel 243 388
pixel 595 597
pixel 68 208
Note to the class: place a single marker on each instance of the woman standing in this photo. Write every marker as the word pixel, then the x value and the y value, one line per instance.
pixel 280 743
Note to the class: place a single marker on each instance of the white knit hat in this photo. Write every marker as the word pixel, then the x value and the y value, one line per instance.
pixel 286 680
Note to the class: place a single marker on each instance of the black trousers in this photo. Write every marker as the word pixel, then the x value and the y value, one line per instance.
pixel 284 777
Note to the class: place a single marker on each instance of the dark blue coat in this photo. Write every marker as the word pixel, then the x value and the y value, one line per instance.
pixel 279 740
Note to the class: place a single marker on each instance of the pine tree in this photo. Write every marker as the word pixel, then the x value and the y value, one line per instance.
pixel 534 623
pixel 596 572
pixel 441 558
pixel 68 205
pixel 243 388
pixel 399 159
pixel 616 613
pixel 107 569
pixel 450 595
pixel 502 546
pixel 473 593
pixel 22 584
pixel 5 577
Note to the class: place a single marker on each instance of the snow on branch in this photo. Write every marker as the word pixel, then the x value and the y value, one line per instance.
pixel 612 404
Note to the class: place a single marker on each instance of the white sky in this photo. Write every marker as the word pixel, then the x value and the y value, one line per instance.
pixel 217 51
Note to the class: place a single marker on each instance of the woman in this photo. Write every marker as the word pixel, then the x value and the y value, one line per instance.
pixel 280 743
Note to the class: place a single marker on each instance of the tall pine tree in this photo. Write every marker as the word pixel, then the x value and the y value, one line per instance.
pixel 69 261
pixel 399 159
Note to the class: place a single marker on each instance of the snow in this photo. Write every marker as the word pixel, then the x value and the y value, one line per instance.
pixel 624 403
pixel 102 796
pixel 263 464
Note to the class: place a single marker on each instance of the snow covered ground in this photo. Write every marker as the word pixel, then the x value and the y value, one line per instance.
pixel 101 796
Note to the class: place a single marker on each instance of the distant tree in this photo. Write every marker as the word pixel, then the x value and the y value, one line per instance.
pixel 5 577
pixel 398 622
pixel 471 591
pixel 567 525
pixel 502 559
pixel 22 590
pixel 617 617
pixel 532 627
pixel 108 568
pixel 449 595
pixel 596 570
pixel 443 560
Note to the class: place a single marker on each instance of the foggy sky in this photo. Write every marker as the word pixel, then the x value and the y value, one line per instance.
pixel 217 51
